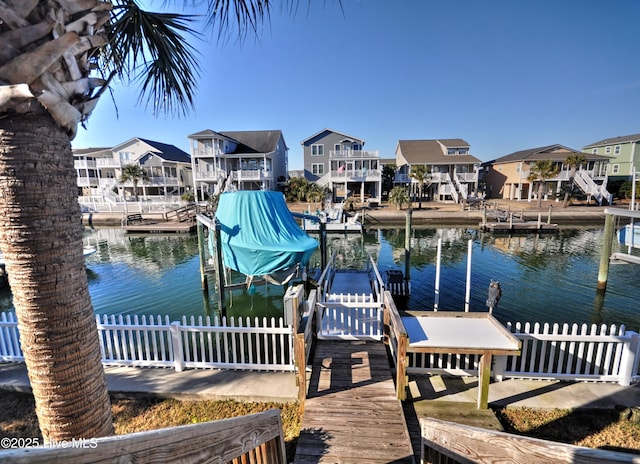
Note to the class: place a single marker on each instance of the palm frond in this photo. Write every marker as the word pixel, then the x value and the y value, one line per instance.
pixel 152 49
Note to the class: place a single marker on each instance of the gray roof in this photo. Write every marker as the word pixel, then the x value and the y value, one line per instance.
pixel 548 152
pixel 260 141
pixel 432 151
pixel 96 150
pixel 615 141
pixel 169 152
pixel 335 132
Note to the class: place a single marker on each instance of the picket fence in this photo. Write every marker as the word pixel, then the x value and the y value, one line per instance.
pixel 155 341
pixel 571 352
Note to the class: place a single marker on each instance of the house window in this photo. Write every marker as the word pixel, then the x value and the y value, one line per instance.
pixel 594 151
pixel 337 147
pixel 617 150
pixel 317 150
pixel 463 151
pixel 317 169
pixel 615 168
pixel 125 156
pixel 451 151
pixel 607 150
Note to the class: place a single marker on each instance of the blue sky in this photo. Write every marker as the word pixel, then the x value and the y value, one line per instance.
pixel 504 75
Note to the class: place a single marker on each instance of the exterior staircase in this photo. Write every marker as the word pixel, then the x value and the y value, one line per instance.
pixel 589 187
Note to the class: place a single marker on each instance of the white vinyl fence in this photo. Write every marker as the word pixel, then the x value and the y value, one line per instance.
pixel 241 344
pixel 571 352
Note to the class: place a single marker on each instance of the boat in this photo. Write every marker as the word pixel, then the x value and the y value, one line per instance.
pixel 335 220
pixel 629 238
pixel 259 236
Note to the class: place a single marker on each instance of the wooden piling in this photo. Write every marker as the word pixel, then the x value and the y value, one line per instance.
pixel 605 254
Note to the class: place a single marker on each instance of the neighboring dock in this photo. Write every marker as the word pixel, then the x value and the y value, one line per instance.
pixel 529 226
pixel 181 220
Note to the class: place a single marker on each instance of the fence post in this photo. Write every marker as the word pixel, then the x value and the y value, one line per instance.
pixel 176 346
pixel 499 366
pixel 628 359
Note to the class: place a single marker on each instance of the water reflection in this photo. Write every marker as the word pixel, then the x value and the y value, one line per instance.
pixel 544 278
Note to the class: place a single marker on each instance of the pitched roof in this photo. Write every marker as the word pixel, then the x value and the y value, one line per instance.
pixel 86 151
pixel 169 152
pixel 262 141
pixel 433 151
pixel 615 140
pixel 555 152
pixel 335 132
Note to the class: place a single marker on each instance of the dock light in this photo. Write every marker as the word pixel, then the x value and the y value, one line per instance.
pixel 495 292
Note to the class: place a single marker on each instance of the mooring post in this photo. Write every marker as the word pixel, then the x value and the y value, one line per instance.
pixel 323 243
pixel 407 247
pixel 219 270
pixel 201 250
pixel 605 254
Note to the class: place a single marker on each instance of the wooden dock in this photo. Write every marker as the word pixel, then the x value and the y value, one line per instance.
pixel 351 412
pixel 160 227
pixel 513 227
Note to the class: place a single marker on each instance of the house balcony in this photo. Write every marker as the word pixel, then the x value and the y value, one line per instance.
pixel 210 176
pixel 356 175
pixel 353 154
pixel 251 175
pixel 107 163
pixel 84 164
pixel 88 181
pixel 207 152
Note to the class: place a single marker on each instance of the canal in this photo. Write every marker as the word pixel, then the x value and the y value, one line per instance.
pixel 544 278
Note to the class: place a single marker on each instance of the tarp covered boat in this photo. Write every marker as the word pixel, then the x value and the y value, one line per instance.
pixel 260 237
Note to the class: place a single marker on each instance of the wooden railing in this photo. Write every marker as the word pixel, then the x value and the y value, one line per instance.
pixel 253 438
pixel 448 442
pixel 395 336
pixel 182 214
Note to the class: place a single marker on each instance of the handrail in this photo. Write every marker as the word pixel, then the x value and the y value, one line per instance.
pixel 443 441
pixel 396 337
pixel 251 438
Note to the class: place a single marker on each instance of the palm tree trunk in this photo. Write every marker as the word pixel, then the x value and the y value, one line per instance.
pixel 41 238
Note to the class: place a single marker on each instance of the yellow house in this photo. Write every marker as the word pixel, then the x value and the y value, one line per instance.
pixel 508 177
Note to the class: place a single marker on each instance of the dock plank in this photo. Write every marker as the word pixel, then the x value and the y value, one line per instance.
pixel 351 412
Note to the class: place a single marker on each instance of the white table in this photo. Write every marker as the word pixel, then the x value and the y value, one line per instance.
pixel 461 333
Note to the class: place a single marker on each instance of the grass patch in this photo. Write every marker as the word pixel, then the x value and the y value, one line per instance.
pixel 597 428
pixel 141 413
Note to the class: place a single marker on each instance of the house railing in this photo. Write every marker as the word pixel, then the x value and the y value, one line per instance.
pixel 251 438
pixel 359 154
pixel 155 341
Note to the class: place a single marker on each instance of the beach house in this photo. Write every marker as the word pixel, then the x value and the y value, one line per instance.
pixel 452 172
pixel 339 162
pixel 624 153
pixel 509 177
pixel 166 168
pixel 238 160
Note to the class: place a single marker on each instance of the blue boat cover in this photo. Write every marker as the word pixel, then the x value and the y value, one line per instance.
pixel 259 235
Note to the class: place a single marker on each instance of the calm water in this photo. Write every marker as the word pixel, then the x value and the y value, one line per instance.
pixel 546 278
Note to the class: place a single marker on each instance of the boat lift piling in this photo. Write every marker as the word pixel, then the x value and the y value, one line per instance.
pixel 606 255
pixel 407 248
